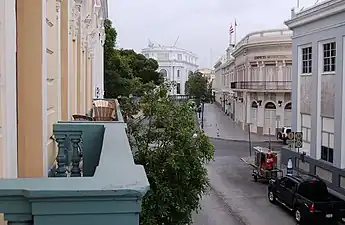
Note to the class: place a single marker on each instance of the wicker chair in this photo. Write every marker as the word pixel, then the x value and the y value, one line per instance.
pixel 82 117
pixel 103 113
pixel 104 110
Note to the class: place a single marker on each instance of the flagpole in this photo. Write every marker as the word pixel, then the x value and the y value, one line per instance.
pixel 230 38
pixel 235 32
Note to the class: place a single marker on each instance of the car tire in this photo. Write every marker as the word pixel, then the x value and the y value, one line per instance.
pixel 271 197
pixel 255 178
pixel 284 141
pixel 298 216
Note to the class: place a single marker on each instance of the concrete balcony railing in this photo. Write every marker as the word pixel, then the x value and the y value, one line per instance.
pixel 262 85
pixel 94 181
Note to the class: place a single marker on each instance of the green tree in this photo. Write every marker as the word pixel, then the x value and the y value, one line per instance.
pixel 197 85
pixel 174 159
pixel 123 66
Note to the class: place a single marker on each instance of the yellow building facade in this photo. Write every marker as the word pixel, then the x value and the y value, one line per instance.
pixel 51 67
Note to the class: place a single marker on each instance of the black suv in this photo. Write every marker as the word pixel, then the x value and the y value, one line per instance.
pixel 308 197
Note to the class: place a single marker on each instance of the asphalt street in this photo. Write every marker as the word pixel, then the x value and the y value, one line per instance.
pixel 234 198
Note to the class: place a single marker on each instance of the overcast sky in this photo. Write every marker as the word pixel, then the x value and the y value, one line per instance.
pixel 201 25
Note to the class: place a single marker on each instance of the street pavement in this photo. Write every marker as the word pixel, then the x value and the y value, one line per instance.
pixel 219 125
pixel 234 198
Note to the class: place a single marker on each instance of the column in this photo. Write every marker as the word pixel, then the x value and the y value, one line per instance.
pixel 58 24
pixel 339 126
pixel 65 35
pixel 316 137
pixel 102 60
pixel 31 84
pixel 93 52
pixel 261 71
pixel 8 87
pixel 279 72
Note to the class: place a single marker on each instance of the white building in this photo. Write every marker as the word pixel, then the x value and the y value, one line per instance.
pixel 318 94
pixel 208 73
pixel 262 82
pixel 217 84
pixel 175 64
pixel 253 81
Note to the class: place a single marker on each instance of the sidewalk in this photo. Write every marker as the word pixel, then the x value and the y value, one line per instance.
pixel 218 125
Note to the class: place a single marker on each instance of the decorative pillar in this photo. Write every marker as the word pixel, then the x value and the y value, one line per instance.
pixel 8 96
pixel 61 158
pixel 91 51
pixel 75 138
pixel 58 22
pixel 262 71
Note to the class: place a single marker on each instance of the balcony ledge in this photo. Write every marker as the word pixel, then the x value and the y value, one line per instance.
pixel 113 191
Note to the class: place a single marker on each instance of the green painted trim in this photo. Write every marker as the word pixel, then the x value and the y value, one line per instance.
pixel 117 185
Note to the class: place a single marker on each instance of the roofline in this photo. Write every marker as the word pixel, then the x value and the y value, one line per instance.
pixel 105 8
pixel 316 12
pixel 258 32
pixel 172 48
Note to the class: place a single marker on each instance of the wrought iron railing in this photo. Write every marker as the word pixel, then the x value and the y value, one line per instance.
pixel 262 85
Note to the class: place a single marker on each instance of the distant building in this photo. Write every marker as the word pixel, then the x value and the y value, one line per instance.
pixel 253 81
pixel 262 82
pixel 208 73
pixel 218 84
pixel 175 64
pixel 318 90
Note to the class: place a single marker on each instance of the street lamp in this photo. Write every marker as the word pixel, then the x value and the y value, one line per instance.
pixel 202 111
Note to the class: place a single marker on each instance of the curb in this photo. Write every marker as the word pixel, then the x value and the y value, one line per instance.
pixel 236 140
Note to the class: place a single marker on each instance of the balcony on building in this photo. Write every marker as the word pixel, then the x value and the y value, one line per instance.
pixel 261 86
pixel 94 179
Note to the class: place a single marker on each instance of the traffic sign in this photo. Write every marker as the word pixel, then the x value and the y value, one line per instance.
pixel 299 136
pixel 298 139
pixel 298 144
pixel 291 135
pixel 295 139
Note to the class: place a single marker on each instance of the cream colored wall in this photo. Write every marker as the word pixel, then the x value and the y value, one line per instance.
pixel 52 76
pixel 40 32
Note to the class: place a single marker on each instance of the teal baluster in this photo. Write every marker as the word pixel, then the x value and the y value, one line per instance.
pixel 61 158
pixel 75 139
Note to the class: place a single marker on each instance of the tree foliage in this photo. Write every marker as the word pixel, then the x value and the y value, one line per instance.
pixel 125 69
pixel 164 141
pixel 197 85
pixel 174 160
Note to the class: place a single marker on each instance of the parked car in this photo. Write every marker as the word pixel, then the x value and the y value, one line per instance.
pixel 283 134
pixel 307 197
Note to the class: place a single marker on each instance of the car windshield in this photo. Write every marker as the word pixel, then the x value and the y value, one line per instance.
pixel 314 190
pixel 288 130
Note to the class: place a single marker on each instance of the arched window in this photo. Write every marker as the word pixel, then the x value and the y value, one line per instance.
pixel 254 104
pixel 288 106
pixel 164 73
pixel 270 105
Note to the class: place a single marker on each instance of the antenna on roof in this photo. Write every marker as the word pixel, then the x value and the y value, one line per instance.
pixel 150 44
pixel 176 41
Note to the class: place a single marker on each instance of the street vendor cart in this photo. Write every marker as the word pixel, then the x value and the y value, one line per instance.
pixel 264 163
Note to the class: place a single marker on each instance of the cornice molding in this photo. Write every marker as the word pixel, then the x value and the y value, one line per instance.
pixel 237 52
pixel 320 11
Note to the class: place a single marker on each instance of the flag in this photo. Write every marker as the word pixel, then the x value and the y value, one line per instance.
pixel 231 29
